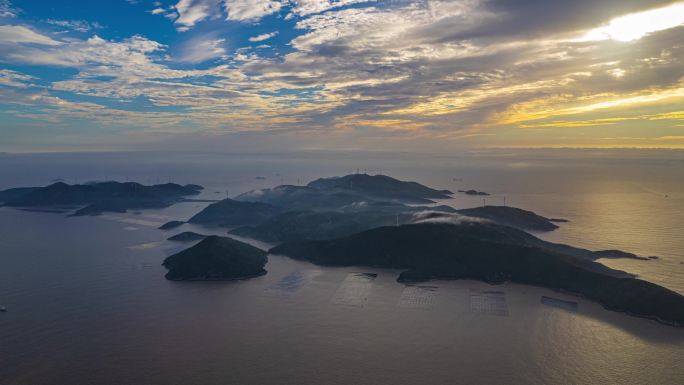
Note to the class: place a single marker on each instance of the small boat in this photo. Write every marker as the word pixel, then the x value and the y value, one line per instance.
pixel 3 309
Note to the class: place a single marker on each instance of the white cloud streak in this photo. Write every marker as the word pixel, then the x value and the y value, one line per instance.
pixel 23 35
pixel 262 37
pixel 75 25
pixel 203 48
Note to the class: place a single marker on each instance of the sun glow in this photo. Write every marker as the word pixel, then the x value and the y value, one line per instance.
pixel 637 25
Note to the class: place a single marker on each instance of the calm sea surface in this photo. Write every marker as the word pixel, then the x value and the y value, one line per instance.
pixel 88 304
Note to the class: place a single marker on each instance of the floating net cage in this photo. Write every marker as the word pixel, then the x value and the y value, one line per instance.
pixel 418 297
pixel 354 290
pixel 293 282
pixel 488 302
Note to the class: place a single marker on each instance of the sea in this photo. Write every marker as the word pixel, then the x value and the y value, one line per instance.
pixel 87 302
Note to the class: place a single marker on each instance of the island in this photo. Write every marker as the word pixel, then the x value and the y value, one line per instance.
pixel 494 254
pixel 473 192
pixel 187 236
pixel 171 225
pixel 216 259
pixel 98 197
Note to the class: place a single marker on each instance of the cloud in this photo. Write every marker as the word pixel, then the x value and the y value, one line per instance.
pixel 201 49
pixel 7 10
pixel 76 25
pixel 251 10
pixel 371 73
pixel 191 12
pixel 263 37
pixel 442 217
pixel 308 7
pixel 15 79
pixel 95 52
pixel 18 34
pixel 219 97
pixel 382 62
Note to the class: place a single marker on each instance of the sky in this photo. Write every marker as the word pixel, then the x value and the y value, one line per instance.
pixel 386 75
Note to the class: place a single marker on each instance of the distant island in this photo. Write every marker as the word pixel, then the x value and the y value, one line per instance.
pixel 98 197
pixel 488 252
pixel 474 192
pixel 215 259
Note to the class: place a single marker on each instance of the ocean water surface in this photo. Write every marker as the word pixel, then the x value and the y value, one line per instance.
pixel 88 304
